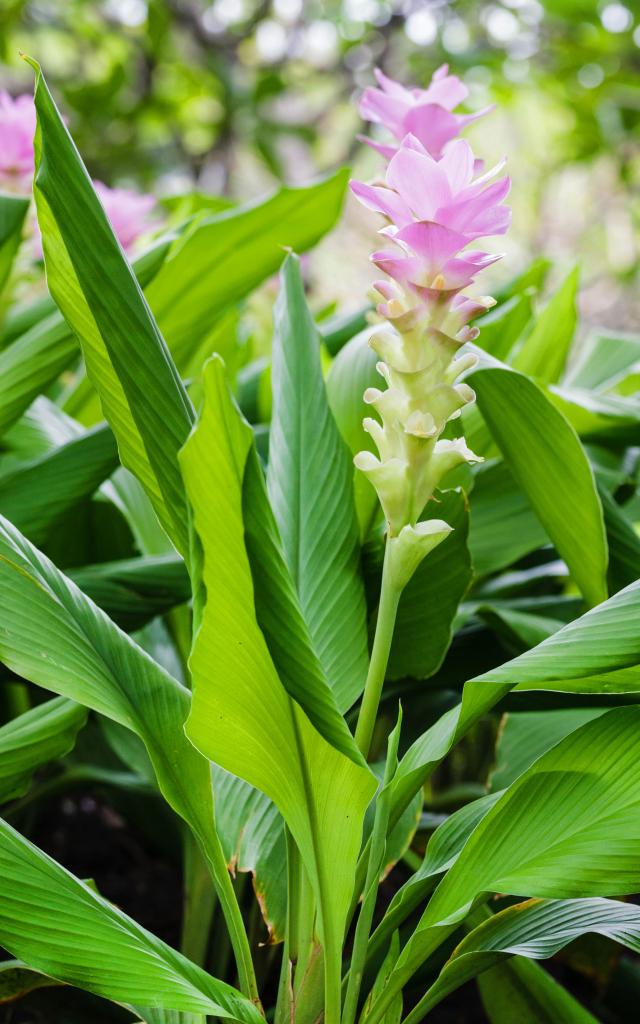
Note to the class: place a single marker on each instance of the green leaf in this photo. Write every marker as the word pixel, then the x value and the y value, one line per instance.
pixel 548 461
pixel 251 830
pixel 352 371
pixel 43 345
pixel 503 526
pixel 597 653
pixel 443 848
pixel 337 330
pixel 394 1013
pixel 310 485
pixel 624 544
pixel 31 363
pixel 37 495
pixel 60 926
pixel 544 351
pixel 53 635
pixel 607 418
pixel 133 591
pixel 13 211
pixel 429 602
pixel 603 358
pixel 517 629
pixel 525 735
pixel 521 990
pixel 536 929
pixel 501 327
pixel 34 738
pixel 17 980
pixel 280 619
pixel 533 277
pixel 242 716
pixel 224 256
pixel 568 827
pixel 127 360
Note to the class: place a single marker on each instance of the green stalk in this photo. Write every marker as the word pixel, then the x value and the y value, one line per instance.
pixel 376 859
pixel 389 598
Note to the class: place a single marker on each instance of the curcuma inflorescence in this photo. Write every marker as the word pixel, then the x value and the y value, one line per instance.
pixel 436 201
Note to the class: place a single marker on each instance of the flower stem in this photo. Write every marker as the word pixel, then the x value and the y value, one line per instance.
pixel 374 870
pixel 387 609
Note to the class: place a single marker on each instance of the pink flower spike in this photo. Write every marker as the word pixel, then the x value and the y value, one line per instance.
pixel 128 211
pixel 17 128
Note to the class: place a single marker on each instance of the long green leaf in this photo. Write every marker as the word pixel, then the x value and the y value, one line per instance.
pixel 60 926
pixel 503 526
pixel 38 494
pixel 501 327
pixel 127 360
pixel 34 738
pixel 31 363
pixel 598 417
pixel 536 929
pixel 603 357
pixel 522 990
pixel 310 484
pixel 133 591
pixel 251 830
pixel 54 635
pixel 13 211
pixel 544 351
pixel 351 373
pixel 597 653
pixel 442 851
pixel 242 716
pixel 224 256
pixel 568 827
pixel 548 461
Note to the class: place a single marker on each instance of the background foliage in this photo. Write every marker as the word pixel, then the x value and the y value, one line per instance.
pixel 232 95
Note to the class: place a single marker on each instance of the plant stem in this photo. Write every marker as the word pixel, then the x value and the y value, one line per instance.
pixel 374 868
pixel 387 609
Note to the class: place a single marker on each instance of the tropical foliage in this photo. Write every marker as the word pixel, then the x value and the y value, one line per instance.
pixel 401 695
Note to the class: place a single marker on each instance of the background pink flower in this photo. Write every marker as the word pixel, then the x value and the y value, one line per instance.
pixel 17 127
pixel 129 212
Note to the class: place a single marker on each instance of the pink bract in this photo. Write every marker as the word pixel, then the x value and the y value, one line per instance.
pixel 435 208
pixel 17 128
pixel 425 113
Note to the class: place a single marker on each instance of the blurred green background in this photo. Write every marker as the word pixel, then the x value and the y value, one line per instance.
pixel 231 96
